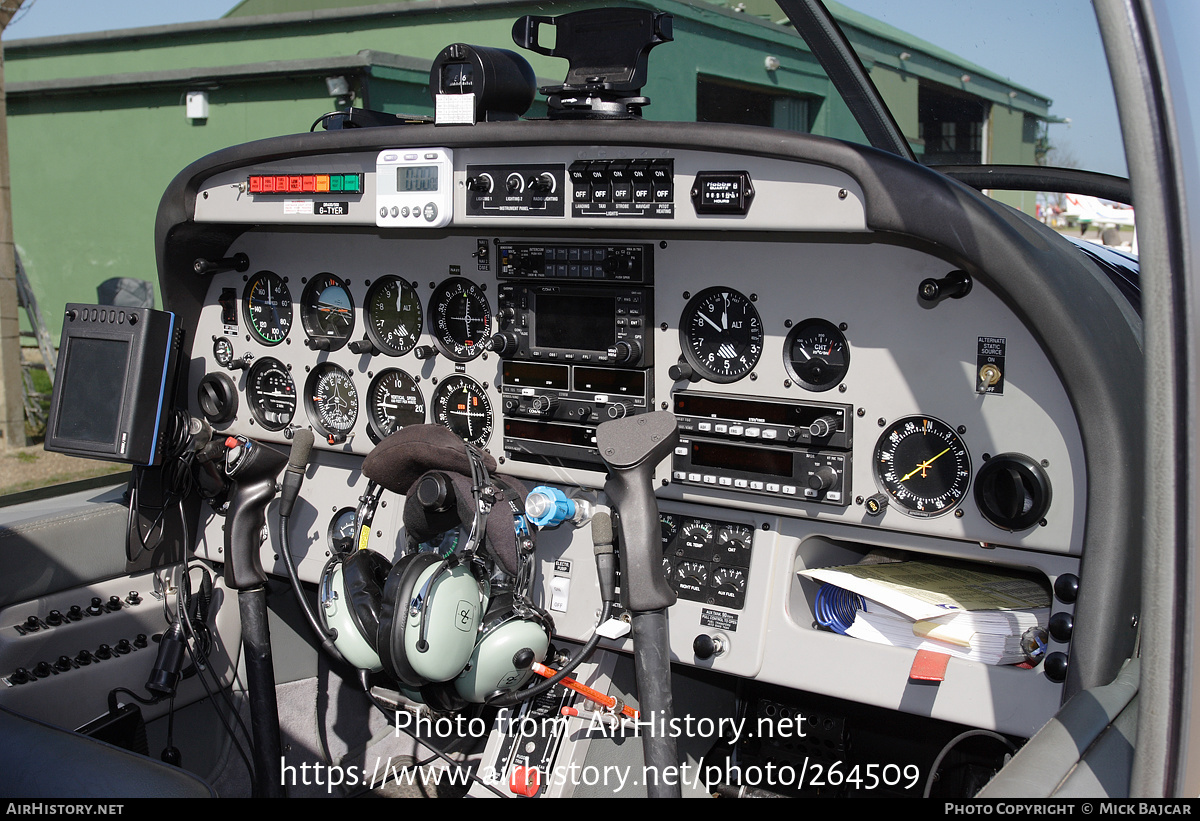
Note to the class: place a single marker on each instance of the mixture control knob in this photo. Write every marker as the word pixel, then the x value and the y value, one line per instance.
pixel 823 478
pixel 505 343
pixel 627 352
pixel 706 646
pixel 822 427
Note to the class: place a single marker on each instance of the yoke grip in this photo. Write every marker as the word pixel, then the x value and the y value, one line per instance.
pixel 254 488
pixel 632 447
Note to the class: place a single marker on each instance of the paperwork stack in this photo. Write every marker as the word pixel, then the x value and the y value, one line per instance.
pixel 973 613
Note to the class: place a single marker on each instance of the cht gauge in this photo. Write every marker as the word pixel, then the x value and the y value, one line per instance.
pixel 721 334
pixel 331 401
pixel 922 464
pixel 816 354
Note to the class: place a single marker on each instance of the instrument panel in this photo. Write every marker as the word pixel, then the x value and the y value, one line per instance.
pixel 826 410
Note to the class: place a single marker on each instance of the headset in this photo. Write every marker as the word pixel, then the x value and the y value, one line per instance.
pixel 452 618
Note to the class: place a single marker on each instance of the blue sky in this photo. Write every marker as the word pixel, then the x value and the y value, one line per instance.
pixel 1050 46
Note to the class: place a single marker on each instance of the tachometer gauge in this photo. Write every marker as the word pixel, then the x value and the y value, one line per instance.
pixel 331 401
pixel 923 465
pixel 721 334
pixel 393 315
pixel 460 318
pixel 461 404
pixel 816 354
pixel 327 312
pixel 267 305
pixel 271 393
pixel 393 401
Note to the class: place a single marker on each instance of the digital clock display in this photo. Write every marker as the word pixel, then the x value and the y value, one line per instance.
pixel 417 178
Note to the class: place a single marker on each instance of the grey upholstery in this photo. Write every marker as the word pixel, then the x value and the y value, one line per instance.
pixel 1086 751
pixel 42 761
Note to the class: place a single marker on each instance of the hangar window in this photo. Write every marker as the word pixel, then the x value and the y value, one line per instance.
pixel 952 125
pixel 722 101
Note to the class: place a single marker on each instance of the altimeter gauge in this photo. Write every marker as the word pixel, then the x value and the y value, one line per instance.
pixel 393 315
pixel 721 334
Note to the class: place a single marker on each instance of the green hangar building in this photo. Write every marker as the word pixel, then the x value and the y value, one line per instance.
pixel 100 123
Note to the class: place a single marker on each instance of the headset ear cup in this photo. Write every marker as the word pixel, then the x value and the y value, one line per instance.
pixel 393 616
pixel 364 574
pixel 441 697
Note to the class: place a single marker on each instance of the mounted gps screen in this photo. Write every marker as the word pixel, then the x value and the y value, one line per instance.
pixel 114 370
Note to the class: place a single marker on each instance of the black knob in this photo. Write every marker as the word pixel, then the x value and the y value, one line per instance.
pixel 480 183
pixel 84 658
pixel 75 612
pixel 114 602
pixel 361 346
pixel 822 427
pixel 876 504
pixel 704 647
pixel 20 676
pixel 1066 588
pixel 822 478
pixel 321 344
pixel 955 285
pixel 424 352
pixel 505 343
pixel 134 597
pixel 63 664
pixel 1061 626
pixel 97 606
pixel 523 658
pixel 32 623
pixel 436 493
pixel 42 669
pixel 55 618
pixel 1056 667
pixel 545 403
pixel 140 640
pixel 627 352
pixel 542 183
pixel 682 370
pixel 104 652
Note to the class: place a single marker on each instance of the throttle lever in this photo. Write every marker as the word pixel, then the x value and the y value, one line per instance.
pixel 632 447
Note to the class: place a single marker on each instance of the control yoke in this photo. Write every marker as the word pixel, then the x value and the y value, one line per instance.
pixel 632 447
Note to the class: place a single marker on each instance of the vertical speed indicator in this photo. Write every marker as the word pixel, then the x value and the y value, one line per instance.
pixel 923 465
